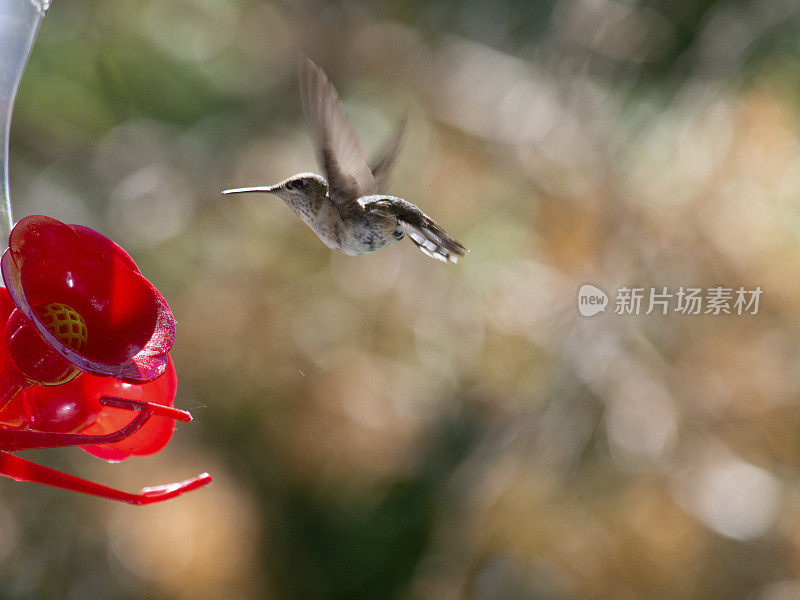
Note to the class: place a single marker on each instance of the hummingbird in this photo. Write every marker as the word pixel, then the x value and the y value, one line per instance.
pixel 344 208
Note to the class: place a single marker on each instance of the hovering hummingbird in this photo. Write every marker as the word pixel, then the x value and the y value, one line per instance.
pixel 346 211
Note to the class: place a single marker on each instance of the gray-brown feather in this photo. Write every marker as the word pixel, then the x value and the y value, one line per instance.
pixel 338 148
pixel 382 166
pixel 426 234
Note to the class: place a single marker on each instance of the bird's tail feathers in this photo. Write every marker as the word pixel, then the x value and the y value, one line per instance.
pixel 433 240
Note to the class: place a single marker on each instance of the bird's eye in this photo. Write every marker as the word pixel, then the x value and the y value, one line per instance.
pixel 290 185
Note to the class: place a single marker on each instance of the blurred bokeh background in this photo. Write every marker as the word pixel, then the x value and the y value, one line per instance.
pixel 387 426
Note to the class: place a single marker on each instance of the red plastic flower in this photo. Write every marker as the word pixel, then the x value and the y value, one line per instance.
pixel 49 262
pixel 86 343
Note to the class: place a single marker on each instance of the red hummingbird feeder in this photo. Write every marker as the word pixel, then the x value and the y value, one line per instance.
pixel 84 357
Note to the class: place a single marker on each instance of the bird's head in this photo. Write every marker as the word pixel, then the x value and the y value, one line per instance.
pixel 301 186
pixel 295 190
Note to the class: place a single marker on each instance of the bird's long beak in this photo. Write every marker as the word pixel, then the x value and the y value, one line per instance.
pixel 262 188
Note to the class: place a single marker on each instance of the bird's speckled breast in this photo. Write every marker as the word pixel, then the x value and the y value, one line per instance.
pixel 367 235
pixel 362 235
pixel 321 216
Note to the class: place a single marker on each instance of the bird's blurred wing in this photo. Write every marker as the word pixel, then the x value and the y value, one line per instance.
pixel 382 166
pixel 339 150
pixel 421 229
